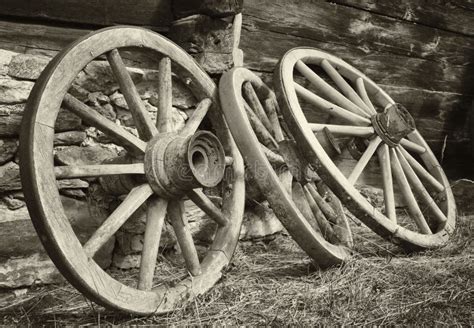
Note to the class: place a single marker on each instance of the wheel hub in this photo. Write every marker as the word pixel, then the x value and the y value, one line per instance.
pixel 176 164
pixel 393 124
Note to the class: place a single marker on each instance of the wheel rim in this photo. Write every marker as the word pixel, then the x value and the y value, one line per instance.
pixel 38 173
pixel 359 110
pixel 261 145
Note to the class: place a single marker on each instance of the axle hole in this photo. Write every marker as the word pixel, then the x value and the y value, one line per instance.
pixel 200 162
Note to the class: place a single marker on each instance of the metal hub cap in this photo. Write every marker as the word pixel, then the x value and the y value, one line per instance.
pixel 393 124
pixel 176 164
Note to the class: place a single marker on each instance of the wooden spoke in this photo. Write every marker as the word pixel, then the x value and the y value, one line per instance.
pixel 146 128
pixel 155 218
pixel 252 100
pixel 347 130
pixel 184 237
pixel 410 200
pixel 325 227
pixel 389 196
pixel 130 204
pixel 196 118
pixel 286 179
pixel 300 201
pixel 328 211
pixel 334 95
pixel 332 109
pixel 94 119
pixel 229 160
pixel 165 92
pixel 420 189
pixel 360 85
pixel 270 106
pixel 414 147
pixel 342 84
pixel 421 171
pixel 207 206
pixel 364 160
pixel 91 171
pixel 261 131
pixel 274 158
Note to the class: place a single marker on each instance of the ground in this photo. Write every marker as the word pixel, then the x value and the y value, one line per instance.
pixel 272 282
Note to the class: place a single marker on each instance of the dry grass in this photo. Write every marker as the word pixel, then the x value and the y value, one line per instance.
pixel 273 283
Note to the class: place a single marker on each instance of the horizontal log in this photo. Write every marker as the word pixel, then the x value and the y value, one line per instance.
pixel 455 16
pixel 359 28
pixel 213 8
pixel 263 49
pixel 155 13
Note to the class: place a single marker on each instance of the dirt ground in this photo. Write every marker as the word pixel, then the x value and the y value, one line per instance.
pixel 272 282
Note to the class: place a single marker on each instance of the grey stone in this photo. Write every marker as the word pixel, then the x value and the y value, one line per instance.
pixel 14 91
pixel 5 59
pixel 75 155
pixel 106 110
pixel 74 193
pixel 97 76
pixel 35 269
pixel 183 98
pixel 119 100
pixel 72 184
pixel 10 177
pixel 97 98
pixel 8 149
pixel 18 240
pixel 69 138
pixel 13 203
pixel 10 119
pixel 79 92
pixel 259 221
pixel 27 66
pixel 17 235
pixel 126 262
pixel 67 121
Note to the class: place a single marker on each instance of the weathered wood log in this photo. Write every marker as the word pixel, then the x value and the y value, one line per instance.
pixel 213 8
pixel 342 25
pixel 155 13
pixel 454 16
pixel 263 48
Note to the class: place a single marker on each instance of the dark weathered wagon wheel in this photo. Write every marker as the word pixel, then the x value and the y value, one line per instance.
pixel 360 110
pixel 163 168
pixel 291 187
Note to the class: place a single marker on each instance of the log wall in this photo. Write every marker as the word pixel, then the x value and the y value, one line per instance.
pixel 421 52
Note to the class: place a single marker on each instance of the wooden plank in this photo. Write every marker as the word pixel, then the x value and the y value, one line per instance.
pixel 263 48
pixel 27 37
pixel 213 8
pixel 155 13
pixel 455 15
pixel 361 29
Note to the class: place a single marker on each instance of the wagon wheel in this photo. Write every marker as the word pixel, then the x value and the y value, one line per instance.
pixel 378 127
pixel 164 167
pixel 293 190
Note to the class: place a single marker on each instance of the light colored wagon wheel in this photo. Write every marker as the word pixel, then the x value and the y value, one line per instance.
pixel 291 187
pixel 359 109
pixel 165 167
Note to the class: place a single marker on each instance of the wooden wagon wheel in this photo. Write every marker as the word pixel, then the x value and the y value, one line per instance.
pixel 164 167
pixel 377 127
pixel 291 187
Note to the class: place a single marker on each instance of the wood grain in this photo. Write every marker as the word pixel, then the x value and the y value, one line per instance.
pixel 103 13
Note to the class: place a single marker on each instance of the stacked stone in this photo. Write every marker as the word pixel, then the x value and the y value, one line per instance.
pixel 22 258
